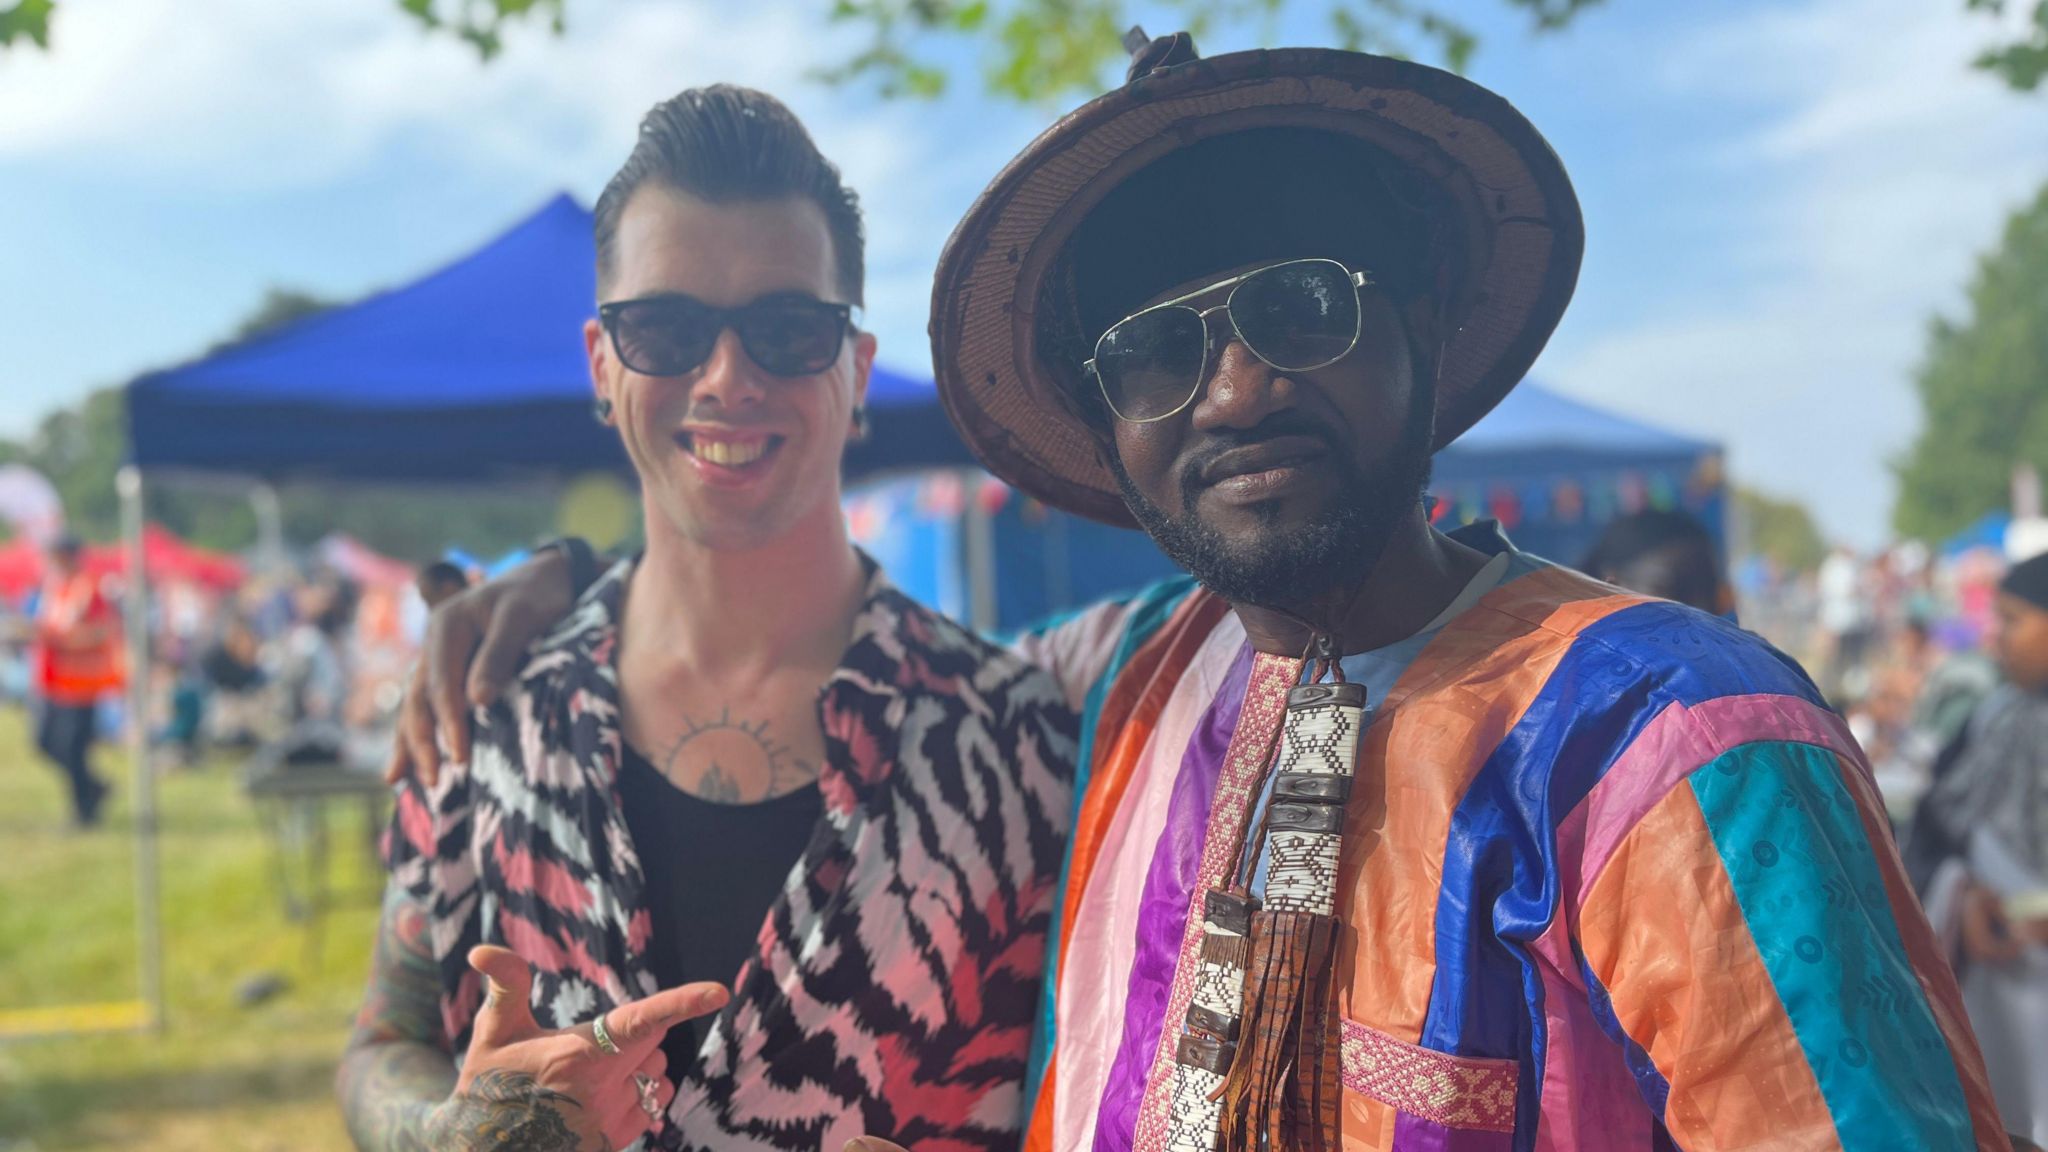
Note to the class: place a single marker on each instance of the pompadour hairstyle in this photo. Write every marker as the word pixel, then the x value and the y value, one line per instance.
pixel 727 144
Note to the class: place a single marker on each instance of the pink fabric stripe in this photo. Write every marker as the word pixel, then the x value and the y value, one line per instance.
pixel 1672 747
pixel 1589 1099
pixel 1095 976
pixel 1251 746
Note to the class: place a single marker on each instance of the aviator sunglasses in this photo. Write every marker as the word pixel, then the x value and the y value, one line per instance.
pixel 1297 316
pixel 672 335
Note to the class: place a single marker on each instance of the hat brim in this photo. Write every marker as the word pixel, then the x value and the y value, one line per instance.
pixel 1523 240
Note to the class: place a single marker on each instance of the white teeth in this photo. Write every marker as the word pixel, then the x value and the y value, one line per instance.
pixel 730 453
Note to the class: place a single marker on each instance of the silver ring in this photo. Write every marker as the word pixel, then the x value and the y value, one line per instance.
pixel 603 1037
pixel 650 1101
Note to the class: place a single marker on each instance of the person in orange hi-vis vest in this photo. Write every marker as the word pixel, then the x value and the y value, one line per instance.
pixel 77 660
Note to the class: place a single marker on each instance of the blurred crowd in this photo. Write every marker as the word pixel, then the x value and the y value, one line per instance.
pixel 301 657
pixel 1899 639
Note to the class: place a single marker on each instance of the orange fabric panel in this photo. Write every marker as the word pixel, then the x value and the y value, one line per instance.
pixel 1662 930
pixel 1365 1124
pixel 1449 711
pixel 1038 1129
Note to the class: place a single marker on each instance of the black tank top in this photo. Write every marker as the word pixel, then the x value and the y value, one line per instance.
pixel 713 871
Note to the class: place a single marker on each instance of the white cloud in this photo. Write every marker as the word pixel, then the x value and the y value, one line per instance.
pixel 1885 166
pixel 259 98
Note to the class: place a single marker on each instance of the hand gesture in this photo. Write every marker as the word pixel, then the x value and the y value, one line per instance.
pixel 592 1088
pixel 474 646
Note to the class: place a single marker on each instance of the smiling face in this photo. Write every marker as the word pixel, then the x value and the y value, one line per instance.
pixel 1275 488
pixel 730 456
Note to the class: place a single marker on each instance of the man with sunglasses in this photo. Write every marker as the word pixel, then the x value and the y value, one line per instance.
pixel 1393 838
pixel 743 762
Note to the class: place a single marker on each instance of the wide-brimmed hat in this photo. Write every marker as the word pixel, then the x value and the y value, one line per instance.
pixel 1521 240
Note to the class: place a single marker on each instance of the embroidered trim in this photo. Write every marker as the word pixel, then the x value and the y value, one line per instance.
pixel 1265 705
pixel 1455 1091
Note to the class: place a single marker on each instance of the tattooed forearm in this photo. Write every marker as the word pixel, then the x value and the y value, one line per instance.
pixel 397 1067
pixel 506 1112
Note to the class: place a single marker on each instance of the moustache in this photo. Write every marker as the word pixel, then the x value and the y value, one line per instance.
pixel 1292 422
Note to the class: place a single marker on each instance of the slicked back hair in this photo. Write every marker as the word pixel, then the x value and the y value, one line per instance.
pixel 725 144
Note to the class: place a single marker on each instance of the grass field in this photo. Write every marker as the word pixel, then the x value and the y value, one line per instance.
pixel 220 1076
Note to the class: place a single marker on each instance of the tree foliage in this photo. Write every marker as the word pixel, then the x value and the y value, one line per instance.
pixel 26 20
pixel 1983 388
pixel 1782 530
pixel 2023 62
pixel 1038 50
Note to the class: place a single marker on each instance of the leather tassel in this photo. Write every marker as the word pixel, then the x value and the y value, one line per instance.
pixel 1282 1090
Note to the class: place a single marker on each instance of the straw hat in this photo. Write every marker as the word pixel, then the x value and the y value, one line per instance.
pixel 1521 236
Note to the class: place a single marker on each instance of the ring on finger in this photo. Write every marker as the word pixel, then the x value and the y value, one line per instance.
pixel 602 1035
pixel 650 1099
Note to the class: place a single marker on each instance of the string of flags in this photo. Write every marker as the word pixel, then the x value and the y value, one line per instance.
pixel 1588 497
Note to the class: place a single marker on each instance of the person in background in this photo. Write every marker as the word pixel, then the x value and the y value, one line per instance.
pixel 233 671
pixel 1988 810
pixel 317 671
pixel 78 660
pixel 1665 554
pixel 441 580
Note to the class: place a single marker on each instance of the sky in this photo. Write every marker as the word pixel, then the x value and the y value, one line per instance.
pixel 1778 195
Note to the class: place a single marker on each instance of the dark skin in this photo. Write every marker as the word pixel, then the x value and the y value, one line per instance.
pixel 1363 400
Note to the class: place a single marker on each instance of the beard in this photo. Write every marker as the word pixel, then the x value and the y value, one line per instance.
pixel 1294 567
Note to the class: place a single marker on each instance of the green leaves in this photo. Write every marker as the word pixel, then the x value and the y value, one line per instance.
pixel 2023 63
pixel 482 23
pixel 26 19
pixel 1983 388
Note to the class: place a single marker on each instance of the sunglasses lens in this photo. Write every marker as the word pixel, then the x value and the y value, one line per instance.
pixel 1151 363
pixel 1297 316
pixel 793 337
pixel 664 337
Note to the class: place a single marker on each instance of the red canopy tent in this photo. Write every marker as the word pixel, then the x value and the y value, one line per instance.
pixel 165 557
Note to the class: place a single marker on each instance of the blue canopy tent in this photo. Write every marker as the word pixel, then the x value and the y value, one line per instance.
pixel 1555 471
pixel 472 372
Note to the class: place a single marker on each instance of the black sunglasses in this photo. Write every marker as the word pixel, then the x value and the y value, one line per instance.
pixel 1298 316
pixel 672 335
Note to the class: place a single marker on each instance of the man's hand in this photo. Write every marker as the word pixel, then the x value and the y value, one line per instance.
pixel 528 1089
pixel 474 646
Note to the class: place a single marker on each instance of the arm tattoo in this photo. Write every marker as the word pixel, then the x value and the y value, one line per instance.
pixel 397 1076
pixel 397 1067
pixel 506 1112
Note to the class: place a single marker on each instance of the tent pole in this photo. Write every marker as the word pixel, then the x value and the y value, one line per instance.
pixel 269 527
pixel 148 915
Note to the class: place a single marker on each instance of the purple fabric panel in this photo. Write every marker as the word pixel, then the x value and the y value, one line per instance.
pixel 1414 1134
pixel 1163 910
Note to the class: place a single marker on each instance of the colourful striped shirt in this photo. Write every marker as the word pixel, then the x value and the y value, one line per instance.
pixel 1614 877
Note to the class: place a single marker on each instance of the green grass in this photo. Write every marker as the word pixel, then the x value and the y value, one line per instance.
pixel 219 1075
